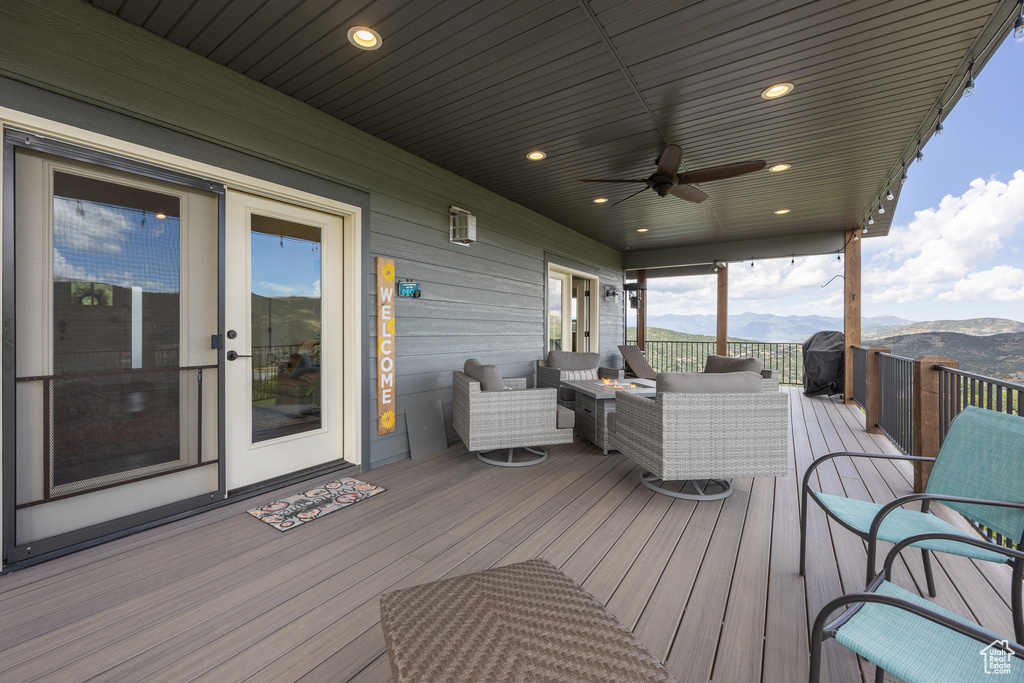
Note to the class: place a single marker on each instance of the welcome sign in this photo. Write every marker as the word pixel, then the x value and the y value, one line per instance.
pixel 385 345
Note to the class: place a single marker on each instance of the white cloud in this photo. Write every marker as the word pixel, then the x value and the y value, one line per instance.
pixel 1002 283
pixel 98 229
pixel 943 247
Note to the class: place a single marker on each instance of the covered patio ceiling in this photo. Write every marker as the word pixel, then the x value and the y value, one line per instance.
pixel 601 86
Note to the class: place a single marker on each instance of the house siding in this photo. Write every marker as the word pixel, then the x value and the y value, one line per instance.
pixel 73 63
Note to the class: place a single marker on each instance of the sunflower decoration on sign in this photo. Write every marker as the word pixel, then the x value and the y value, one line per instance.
pixel 388 272
pixel 387 419
pixel 391 327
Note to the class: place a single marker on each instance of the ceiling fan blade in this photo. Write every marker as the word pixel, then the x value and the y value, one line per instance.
pixel 688 192
pixel 670 160
pixel 704 175
pixel 629 197
pixel 608 180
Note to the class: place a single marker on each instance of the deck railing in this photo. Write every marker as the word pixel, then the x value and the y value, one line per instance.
pixel 786 358
pixel 896 399
pixel 959 389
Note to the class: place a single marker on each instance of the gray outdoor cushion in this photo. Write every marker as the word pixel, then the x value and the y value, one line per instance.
pixel 726 364
pixel 566 418
pixel 570 360
pixel 705 383
pixel 566 394
pixel 488 375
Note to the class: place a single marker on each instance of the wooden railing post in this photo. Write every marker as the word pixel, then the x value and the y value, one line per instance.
pixel 926 422
pixel 872 400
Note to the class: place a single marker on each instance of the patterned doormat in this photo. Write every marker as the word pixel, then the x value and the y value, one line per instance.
pixel 290 512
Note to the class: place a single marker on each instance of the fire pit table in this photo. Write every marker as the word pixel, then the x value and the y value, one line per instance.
pixel 595 398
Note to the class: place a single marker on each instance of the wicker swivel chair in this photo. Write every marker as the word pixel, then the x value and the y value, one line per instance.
pixel 510 417
pixel 703 427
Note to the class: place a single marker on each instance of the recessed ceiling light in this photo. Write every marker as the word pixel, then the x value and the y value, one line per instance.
pixel 161 215
pixel 781 211
pixel 780 167
pixel 600 200
pixel 778 90
pixel 364 38
pixel 536 155
pixel 642 229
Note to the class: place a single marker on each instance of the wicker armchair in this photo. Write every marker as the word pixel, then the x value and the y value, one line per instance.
pixel 703 436
pixel 519 418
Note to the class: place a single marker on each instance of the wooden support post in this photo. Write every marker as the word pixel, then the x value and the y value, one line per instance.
pixel 722 345
pixel 851 307
pixel 641 310
pixel 925 420
pixel 873 407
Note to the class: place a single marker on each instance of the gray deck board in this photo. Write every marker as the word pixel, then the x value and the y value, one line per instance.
pixel 222 597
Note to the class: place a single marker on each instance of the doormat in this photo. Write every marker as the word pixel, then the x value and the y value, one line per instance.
pixel 304 507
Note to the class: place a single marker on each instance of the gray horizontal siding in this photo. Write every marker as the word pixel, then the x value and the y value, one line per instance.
pixel 485 300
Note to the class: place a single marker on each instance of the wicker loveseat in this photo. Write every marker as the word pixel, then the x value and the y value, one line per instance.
pixel 562 366
pixel 704 427
pixel 508 417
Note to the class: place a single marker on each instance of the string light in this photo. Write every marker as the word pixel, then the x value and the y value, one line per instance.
pixel 864 229
pixel 871 220
pixel 969 87
pixel 903 175
pixel 938 124
pixel 920 155
pixel 881 209
pixel 888 194
pixel 1018 26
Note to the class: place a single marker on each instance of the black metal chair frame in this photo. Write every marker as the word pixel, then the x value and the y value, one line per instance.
pixel 1015 562
pixel 824 629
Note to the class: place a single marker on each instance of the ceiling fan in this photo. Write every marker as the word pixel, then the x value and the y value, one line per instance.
pixel 668 180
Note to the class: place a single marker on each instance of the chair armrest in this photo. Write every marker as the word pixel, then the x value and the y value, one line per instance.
pixel 965 629
pixel 876 523
pixel 611 373
pixel 1010 553
pixel 548 377
pixel 804 487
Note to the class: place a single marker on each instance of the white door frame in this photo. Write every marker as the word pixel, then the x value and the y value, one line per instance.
pixel 566 273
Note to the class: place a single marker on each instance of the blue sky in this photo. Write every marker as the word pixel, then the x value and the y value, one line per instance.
pixel 955 249
pixel 284 266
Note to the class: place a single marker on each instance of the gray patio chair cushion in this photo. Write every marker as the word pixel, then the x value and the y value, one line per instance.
pixel 566 418
pixel 571 360
pixel 726 364
pixel 714 383
pixel 488 375
pixel 567 394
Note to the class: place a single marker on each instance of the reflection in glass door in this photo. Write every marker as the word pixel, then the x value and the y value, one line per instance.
pixel 287 382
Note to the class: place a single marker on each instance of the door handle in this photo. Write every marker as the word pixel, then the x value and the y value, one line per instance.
pixel 232 355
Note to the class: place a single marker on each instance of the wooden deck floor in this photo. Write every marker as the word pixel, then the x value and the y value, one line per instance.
pixel 711 588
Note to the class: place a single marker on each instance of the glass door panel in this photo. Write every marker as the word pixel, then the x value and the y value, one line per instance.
pixel 555 313
pixel 287 382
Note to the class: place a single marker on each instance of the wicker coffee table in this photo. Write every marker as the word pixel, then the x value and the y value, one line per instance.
pixel 526 622
pixel 595 399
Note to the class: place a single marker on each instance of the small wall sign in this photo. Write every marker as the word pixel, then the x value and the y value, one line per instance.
pixel 385 345
pixel 409 289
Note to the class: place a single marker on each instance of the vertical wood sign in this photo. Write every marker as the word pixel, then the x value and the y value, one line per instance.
pixel 385 345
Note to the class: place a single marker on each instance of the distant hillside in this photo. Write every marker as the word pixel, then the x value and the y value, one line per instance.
pixel 766 327
pixel 996 355
pixel 974 326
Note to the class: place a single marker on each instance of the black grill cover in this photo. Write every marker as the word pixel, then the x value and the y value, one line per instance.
pixel 824 363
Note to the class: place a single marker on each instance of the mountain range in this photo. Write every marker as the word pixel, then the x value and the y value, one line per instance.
pixel 768 327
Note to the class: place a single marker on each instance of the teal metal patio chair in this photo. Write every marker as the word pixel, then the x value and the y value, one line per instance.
pixel 914 639
pixel 978 472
